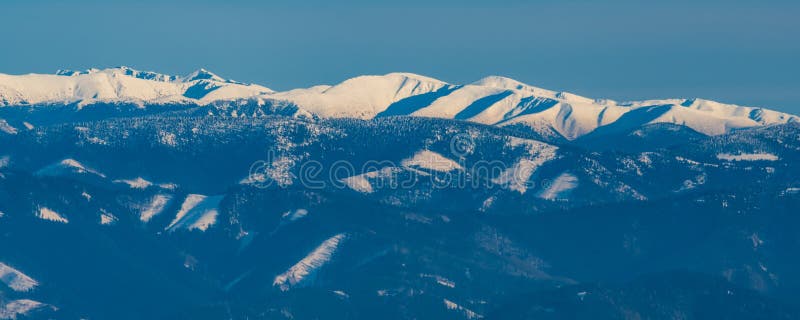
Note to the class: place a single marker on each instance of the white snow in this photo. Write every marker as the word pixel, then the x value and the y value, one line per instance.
pixel 197 212
pixel 511 84
pixel 167 138
pixel 493 100
pixel 279 171
pixel 154 207
pixel 748 157
pixel 120 84
pixel 106 218
pixel 304 270
pixel 517 177
pixel 137 183
pixel 450 105
pixel 469 314
pixel 359 183
pixel 15 279
pixel 294 215
pixel 67 166
pixel 430 160
pixel 15 308
pixel 50 215
pixel 487 204
pixel 7 128
pixel 288 217
pixel 561 185
pixel 360 97
pixel 440 280
pixel 168 186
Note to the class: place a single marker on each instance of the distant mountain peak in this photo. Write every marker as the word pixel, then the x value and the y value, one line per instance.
pixel 506 83
pixel 203 74
pixel 414 76
pixel 512 84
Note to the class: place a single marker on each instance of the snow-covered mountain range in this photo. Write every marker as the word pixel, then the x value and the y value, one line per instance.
pixel 138 195
pixel 492 100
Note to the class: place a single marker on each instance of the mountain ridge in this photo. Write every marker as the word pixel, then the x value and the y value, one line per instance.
pixel 493 100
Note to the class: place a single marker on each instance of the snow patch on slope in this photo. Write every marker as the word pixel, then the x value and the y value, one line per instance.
pixel 137 183
pixel 197 212
pixel 517 177
pixel 304 271
pixel 15 279
pixel 287 218
pixel 15 308
pixel 68 166
pixel 430 160
pixel 154 207
pixel 359 183
pixel 559 187
pixel 363 182
pixel 469 314
pixel 748 157
pixel 439 280
pixel 294 215
pixel 50 215
pixel 7 128
pixel 106 218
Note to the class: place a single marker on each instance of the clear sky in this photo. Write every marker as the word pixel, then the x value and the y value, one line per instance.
pixel 743 52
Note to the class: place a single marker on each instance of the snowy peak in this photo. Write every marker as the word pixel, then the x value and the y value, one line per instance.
pixel 145 75
pixel 511 84
pixel 363 96
pixel 203 74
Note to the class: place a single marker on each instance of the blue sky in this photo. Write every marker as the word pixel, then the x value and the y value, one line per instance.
pixel 743 52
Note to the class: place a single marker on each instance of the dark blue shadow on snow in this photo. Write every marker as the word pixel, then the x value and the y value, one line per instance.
pixel 481 104
pixel 533 105
pixel 199 90
pixel 409 105
pixel 632 120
